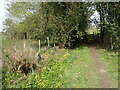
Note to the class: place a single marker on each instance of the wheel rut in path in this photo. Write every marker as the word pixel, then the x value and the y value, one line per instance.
pixel 100 68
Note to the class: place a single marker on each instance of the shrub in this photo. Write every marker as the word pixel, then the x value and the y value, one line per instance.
pixel 20 60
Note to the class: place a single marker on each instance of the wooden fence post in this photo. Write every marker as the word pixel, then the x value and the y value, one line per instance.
pixel 54 44
pixel 24 44
pixel 111 42
pixel 48 41
pixel 39 46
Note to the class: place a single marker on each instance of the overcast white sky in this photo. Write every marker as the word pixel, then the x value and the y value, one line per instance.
pixel 2 12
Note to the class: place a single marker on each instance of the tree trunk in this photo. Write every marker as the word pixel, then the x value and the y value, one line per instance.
pixel 102 24
pixel 25 35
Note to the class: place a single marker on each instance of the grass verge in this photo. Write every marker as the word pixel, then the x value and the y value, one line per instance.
pixel 111 61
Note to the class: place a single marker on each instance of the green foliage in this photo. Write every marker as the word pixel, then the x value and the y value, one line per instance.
pixel 109 22
pixel 51 76
pixel 61 22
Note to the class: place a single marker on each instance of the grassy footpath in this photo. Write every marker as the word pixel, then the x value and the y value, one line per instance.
pixel 111 61
pixel 81 74
pixel 63 68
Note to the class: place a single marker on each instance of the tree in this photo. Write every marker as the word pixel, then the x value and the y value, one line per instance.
pixel 64 23
pixel 109 23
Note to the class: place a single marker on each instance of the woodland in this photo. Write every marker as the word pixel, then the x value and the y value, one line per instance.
pixel 71 52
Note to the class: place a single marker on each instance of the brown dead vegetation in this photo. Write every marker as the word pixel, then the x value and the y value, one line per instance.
pixel 20 60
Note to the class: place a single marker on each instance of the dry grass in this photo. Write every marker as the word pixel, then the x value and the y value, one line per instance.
pixel 21 59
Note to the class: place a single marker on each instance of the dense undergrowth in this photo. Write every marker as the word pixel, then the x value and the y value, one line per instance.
pixel 50 74
pixel 48 78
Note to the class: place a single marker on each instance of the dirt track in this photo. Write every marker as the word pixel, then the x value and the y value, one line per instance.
pixel 100 68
